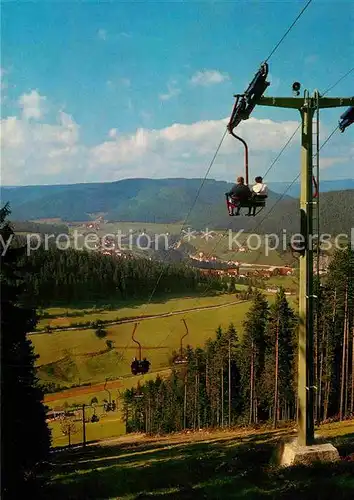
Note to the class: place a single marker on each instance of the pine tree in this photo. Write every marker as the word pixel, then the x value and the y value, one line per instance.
pixel 253 352
pixel 25 435
pixel 278 393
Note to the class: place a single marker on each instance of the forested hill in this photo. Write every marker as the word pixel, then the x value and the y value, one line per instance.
pixel 141 200
pixel 336 215
pixel 169 200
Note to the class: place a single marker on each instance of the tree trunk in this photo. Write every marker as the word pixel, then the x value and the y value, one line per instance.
pixel 352 389
pixel 319 394
pixel 251 385
pixel 275 412
pixel 195 403
pixel 230 381
pixel 198 401
pixel 342 386
pixel 185 403
pixel 222 395
pixel 326 400
pixel 346 393
pixel 328 360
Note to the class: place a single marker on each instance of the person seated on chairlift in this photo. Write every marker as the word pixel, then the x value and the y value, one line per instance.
pixel 239 193
pixel 259 192
pixel 146 365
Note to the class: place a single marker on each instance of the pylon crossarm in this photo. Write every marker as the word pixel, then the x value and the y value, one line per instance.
pixel 298 102
pixel 335 102
pixel 282 102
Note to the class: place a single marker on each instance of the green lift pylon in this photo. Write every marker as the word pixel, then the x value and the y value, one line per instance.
pixel 307 106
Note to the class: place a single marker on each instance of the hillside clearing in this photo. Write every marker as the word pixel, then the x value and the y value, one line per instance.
pixel 218 465
pixel 77 357
pixel 65 317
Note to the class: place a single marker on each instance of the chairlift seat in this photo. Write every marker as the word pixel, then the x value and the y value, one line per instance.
pixel 257 201
pixel 180 360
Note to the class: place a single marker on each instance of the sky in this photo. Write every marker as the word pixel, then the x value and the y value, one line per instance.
pixel 103 91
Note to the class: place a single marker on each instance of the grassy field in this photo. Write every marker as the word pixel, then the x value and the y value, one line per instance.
pixel 287 282
pixel 110 425
pixel 74 357
pixel 66 317
pixel 217 465
pixel 69 358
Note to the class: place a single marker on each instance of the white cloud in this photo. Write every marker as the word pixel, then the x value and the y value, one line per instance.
pixel 47 153
pixel 33 152
pixel 185 150
pixel 172 91
pixel 32 105
pixel 113 84
pixel 330 161
pixel 125 81
pixel 3 86
pixel 208 77
pixel 3 82
pixel 102 34
pixel 113 133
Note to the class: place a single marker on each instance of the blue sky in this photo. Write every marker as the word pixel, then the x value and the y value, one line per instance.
pixel 88 68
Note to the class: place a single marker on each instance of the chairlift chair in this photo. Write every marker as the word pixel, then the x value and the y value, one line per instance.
pixel 242 109
pixel 346 119
pixel 256 203
pixel 139 366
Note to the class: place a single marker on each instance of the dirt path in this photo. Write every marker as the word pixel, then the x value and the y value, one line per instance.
pixel 134 319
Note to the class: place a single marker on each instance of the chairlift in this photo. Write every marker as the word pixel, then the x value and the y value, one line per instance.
pixel 182 359
pixel 139 366
pixel 242 109
pixel 346 119
pixel 256 202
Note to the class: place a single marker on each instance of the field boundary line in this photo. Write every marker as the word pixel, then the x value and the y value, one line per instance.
pixel 133 319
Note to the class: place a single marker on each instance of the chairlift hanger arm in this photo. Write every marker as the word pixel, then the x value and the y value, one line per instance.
pixel 133 339
pixel 246 154
pixel 186 327
pixel 185 335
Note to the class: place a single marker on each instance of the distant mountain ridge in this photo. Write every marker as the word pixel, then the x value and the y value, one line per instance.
pixel 170 200
pixel 325 186
pixel 149 200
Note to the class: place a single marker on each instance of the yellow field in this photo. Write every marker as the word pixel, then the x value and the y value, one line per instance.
pixel 81 356
pixel 169 305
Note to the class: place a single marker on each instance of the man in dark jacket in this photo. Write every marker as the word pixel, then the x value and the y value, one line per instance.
pixel 239 193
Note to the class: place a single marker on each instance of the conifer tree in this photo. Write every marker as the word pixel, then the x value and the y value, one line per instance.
pixel 253 352
pixel 24 433
pixel 278 382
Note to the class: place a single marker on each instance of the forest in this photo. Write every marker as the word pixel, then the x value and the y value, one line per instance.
pixel 253 379
pixel 73 276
